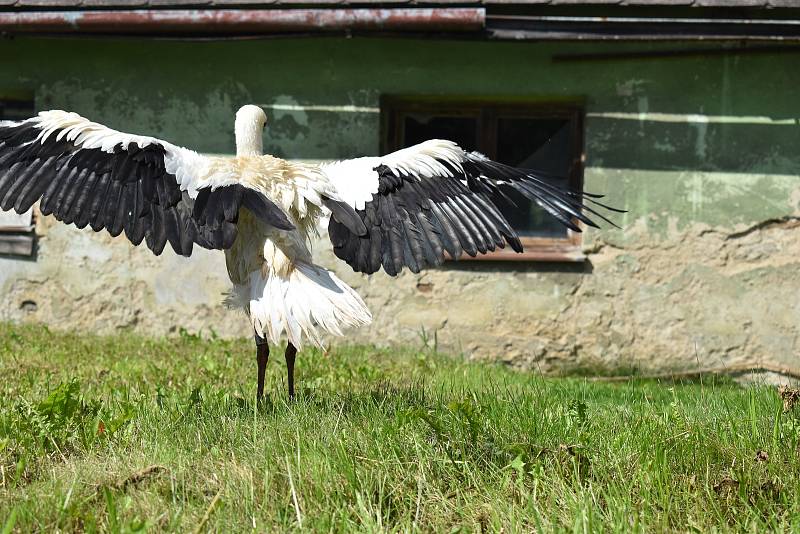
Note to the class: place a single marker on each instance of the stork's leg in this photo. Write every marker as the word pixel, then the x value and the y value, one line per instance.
pixel 262 357
pixel 291 352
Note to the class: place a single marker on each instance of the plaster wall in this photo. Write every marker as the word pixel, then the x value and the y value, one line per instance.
pixel 702 150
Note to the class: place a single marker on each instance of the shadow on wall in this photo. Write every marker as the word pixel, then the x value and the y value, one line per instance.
pixel 698 143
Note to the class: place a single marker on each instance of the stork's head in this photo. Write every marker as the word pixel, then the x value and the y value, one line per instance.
pixel 250 123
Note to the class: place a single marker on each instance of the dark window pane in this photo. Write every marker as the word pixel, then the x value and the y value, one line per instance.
pixel 15 241
pixel 419 127
pixel 542 144
pixel 548 144
pixel 13 110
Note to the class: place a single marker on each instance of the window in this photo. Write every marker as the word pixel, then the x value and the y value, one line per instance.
pixel 16 110
pixel 547 137
pixel 16 231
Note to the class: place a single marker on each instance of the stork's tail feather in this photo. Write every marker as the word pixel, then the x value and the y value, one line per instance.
pixel 309 302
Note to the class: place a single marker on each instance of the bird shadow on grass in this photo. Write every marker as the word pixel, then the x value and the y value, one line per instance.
pixel 383 397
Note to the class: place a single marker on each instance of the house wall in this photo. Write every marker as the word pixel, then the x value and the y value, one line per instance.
pixel 704 152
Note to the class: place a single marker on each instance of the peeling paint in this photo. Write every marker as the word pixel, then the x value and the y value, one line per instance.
pixel 701 127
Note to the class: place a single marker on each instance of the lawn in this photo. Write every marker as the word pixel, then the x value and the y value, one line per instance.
pixel 128 433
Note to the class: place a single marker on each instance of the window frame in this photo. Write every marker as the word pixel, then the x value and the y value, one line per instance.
pixel 487 111
pixel 18 241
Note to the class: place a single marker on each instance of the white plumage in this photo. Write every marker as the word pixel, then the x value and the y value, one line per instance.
pixel 309 301
pixel 405 209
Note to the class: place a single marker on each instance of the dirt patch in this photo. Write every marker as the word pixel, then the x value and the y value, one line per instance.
pixel 139 476
pixel 726 487
pixel 790 397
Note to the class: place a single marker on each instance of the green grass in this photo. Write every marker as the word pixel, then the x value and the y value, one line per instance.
pixel 378 440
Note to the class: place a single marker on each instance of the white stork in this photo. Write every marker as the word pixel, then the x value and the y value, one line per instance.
pixel 406 209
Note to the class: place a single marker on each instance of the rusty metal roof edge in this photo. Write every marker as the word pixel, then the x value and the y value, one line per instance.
pixel 243 21
pixel 280 19
pixel 219 5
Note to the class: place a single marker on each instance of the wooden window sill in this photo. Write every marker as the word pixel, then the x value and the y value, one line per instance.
pixel 17 234
pixel 538 249
pixel 561 254
pixel 16 244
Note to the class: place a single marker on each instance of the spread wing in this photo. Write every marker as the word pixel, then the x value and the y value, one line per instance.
pixel 89 175
pixel 428 199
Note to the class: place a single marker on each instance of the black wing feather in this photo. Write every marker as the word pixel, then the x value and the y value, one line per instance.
pixel 72 197
pixel 99 198
pixel 51 194
pixel 20 179
pixel 124 189
pixel 413 220
pixel 345 214
pixel 265 209
pixel 156 237
pixel 34 189
pixel 113 217
pixel 79 214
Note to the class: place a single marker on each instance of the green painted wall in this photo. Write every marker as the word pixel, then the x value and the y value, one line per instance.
pixel 186 92
pixel 715 155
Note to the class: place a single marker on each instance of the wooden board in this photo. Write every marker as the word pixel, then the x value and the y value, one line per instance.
pixel 16 233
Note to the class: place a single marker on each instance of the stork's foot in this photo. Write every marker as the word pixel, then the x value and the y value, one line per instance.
pixel 291 352
pixel 262 357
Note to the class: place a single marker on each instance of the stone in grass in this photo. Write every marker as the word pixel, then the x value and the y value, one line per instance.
pixel 726 487
pixel 790 397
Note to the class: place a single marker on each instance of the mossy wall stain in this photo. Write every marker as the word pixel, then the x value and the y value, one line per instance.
pixel 705 265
